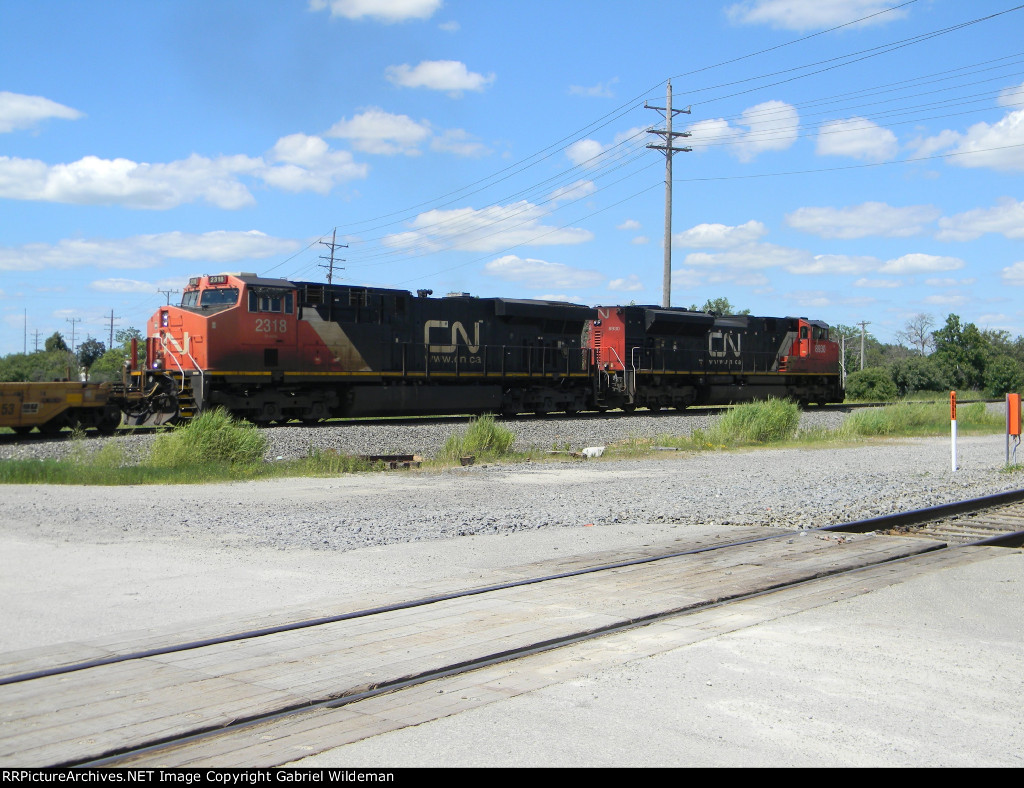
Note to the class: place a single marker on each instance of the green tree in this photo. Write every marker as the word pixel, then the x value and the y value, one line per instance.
pixel 89 352
pixel 1003 375
pixel 963 353
pixel 917 373
pixel 720 306
pixel 109 366
pixel 55 342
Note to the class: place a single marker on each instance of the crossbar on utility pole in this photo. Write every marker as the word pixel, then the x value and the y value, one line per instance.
pixel 669 150
pixel 332 245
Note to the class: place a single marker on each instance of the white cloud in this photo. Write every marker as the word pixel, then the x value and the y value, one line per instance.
pixel 857 138
pixel 802 15
pixel 459 142
pixel 1012 97
pixel 1007 218
pixel 753 256
pixel 296 163
pixel 1014 274
pixel 861 221
pixel 920 264
pixel 122 286
pixel 382 10
pixel 307 163
pixel 770 126
pixel 946 300
pixel 878 283
pixel 950 282
pixel 629 224
pixel 998 146
pixel 630 284
pixel 485 230
pixel 447 75
pixel 640 240
pixel 834 264
pixel 18 111
pixel 719 236
pixel 575 191
pixel 377 131
pixel 540 274
pixel 450 27
pixel 583 151
pixel 600 90
pixel 815 299
pixel 144 251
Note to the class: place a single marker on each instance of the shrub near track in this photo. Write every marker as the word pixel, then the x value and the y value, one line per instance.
pixel 213 437
pixel 484 439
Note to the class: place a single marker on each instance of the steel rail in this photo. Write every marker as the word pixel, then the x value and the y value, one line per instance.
pixel 861 526
pixel 116 757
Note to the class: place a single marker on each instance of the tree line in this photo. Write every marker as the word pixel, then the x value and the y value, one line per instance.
pixel 956 357
pixel 91 360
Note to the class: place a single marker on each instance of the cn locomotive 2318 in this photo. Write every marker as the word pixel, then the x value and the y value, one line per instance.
pixel 275 350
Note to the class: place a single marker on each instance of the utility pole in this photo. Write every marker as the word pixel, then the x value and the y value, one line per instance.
pixel 167 293
pixel 24 348
pixel 332 246
pixel 669 150
pixel 862 324
pixel 110 344
pixel 36 332
pixel 72 321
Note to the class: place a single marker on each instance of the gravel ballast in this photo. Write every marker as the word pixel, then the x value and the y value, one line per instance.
pixel 794 488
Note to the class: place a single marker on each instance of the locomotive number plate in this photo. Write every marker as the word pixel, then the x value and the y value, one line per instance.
pixel 266 325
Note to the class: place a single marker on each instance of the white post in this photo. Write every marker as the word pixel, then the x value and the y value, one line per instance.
pixel 952 427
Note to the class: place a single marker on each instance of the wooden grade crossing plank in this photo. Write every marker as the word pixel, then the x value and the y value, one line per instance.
pixel 283 741
pixel 88 714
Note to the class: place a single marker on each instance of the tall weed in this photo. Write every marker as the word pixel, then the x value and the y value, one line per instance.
pixel 772 421
pixel 212 437
pixel 484 438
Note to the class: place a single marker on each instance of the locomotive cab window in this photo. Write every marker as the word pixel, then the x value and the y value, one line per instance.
pixel 270 301
pixel 190 298
pixel 820 333
pixel 220 297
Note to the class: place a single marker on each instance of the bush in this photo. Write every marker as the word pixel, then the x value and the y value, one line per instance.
pixel 872 384
pixel 756 422
pixel 484 438
pixel 1003 375
pixel 212 437
pixel 916 373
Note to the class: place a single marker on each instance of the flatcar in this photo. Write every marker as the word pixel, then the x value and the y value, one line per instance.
pixel 273 350
pixel 52 406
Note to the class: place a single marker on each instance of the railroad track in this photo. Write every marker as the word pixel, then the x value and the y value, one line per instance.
pixel 230 699
pixel 10 438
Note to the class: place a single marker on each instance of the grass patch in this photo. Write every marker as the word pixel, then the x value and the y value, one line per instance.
pixel 483 439
pixel 918 419
pixel 212 438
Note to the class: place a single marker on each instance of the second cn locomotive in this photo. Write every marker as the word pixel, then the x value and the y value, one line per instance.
pixel 274 350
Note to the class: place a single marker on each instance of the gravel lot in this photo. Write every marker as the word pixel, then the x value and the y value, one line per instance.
pixel 773 487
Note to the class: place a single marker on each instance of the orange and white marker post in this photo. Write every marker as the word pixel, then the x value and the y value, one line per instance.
pixel 1013 422
pixel 952 426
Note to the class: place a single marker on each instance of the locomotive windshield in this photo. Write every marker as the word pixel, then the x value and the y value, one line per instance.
pixel 220 297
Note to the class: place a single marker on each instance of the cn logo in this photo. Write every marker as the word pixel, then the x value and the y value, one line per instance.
pixel 457 332
pixel 721 343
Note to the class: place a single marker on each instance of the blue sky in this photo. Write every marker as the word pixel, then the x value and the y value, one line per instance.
pixel 847 172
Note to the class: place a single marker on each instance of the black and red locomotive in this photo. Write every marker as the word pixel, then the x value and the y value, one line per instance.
pixel 274 350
